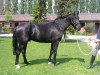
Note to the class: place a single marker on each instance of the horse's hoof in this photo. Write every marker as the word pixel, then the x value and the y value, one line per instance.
pixel 17 67
pixel 49 63
pixel 54 65
pixel 89 67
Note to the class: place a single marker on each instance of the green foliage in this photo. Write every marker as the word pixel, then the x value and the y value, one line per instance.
pixel 8 16
pixel 66 6
pixel 49 6
pixel 89 28
pixel 30 6
pixel 91 6
pixel 7 29
pixel 26 6
pixel 36 13
pixel 42 5
pixel 23 6
pixel 70 30
pixel 39 11
pixel 15 6
pixel 85 33
pixel 38 20
pixel 36 10
pixel 0 27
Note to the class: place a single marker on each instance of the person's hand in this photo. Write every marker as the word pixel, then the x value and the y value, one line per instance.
pixel 96 40
pixel 82 30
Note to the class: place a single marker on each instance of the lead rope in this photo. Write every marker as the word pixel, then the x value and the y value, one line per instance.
pixel 81 48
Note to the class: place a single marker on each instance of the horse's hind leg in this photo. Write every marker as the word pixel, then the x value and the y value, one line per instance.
pixel 17 60
pixel 17 55
pixel 53 50
pixel 24 54
pixel 21 48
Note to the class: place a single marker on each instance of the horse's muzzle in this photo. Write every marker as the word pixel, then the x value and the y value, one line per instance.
pixel 78 28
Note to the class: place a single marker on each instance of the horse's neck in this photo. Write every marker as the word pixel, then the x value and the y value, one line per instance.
pixel 63 25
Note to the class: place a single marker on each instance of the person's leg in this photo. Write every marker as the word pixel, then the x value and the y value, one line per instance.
pixel 94 55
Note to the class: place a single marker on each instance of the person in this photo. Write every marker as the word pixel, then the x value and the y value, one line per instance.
pixel 96 49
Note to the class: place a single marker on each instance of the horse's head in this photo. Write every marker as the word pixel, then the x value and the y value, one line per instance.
pixel 74 20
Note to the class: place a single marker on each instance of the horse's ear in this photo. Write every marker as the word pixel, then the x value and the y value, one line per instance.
pixel 76 13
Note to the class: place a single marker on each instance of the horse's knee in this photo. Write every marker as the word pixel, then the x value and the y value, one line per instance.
pixel 20 49
pixel 55 52
pixel 17 52
pixel 23 52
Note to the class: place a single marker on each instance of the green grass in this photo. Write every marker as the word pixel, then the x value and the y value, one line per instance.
pixel 70 61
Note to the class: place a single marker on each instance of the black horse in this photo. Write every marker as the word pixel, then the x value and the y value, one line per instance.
pixel 50 32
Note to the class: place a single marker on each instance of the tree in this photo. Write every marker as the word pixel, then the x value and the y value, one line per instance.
pixel 89 6
pixel 15 6
pixel 66 6
pixel 98 6
pixel 30 6
pixel 40 9
pixel 1 7
pixel 7 12
pixel 8 16
pixel 23 6
pixel 83 6
pixel 8 5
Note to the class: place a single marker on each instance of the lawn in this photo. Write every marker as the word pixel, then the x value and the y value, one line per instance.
pixel 70 60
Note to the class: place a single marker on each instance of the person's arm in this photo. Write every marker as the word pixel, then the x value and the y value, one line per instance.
pixel 93 38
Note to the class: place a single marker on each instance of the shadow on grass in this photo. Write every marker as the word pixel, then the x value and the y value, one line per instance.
pixel 1 40
pixel 97 64
pixel 4 39
pixel 69 41
pixel 60 60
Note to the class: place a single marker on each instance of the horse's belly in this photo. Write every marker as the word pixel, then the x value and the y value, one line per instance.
pixel 43 40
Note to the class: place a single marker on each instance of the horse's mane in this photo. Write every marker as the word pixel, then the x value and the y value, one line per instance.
pixel 62 17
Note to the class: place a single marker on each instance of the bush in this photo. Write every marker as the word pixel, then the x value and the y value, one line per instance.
pixel 0 27
pixel 8 16
pixel 38 20
pixel 7 29
pixel 71 30
pixel 39 13
pixel 85 33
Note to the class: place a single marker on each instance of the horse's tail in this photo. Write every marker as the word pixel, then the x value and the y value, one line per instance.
pixel 14 42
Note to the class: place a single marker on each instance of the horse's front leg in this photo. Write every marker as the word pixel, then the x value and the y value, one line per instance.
pixel 55 46
pixel 51 52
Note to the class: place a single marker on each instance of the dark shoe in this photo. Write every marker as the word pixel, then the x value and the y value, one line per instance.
pixel 90 66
